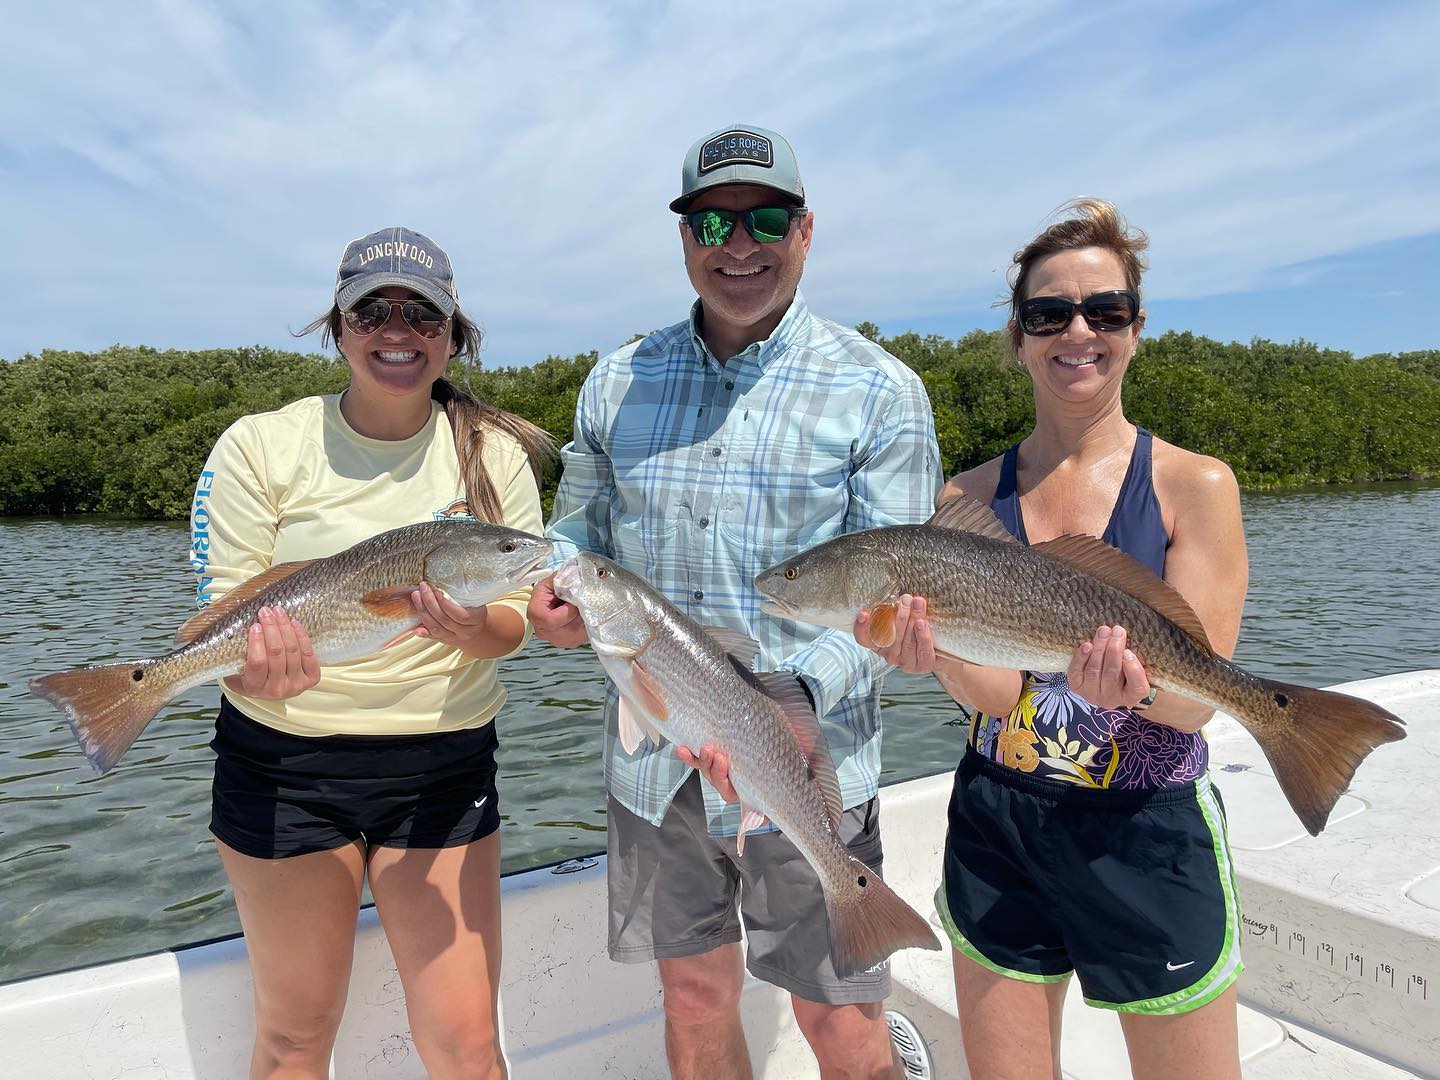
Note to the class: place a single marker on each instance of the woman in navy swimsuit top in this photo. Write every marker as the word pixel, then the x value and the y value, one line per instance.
pixel 1085 837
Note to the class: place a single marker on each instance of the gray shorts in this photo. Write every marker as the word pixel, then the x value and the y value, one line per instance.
pixel 675 891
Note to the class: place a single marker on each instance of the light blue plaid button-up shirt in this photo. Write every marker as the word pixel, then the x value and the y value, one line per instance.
pixel 697 475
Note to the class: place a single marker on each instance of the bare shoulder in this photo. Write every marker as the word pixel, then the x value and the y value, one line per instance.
pixel 1195 480
pixel 978 483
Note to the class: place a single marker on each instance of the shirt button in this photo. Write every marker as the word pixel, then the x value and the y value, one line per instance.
pixel 715 452
pixel 729 386
pixel 698 595
pixel 704 521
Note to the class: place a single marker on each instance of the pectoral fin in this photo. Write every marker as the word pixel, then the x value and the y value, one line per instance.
pixel 642 707
pixel 391 603
pixel 634 727
pixel 882 623
pixel 750 818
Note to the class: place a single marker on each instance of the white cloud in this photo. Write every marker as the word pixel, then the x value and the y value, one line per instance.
pixel 186 174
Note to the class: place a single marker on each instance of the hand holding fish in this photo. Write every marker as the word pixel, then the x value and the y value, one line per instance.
pixel 469 629
pixel 714 765
pixel 280 661
pixel 554 620
pixel 1106 673
pixel 913 649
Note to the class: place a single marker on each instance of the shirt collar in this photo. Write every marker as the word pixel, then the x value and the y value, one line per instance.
pixel 793 326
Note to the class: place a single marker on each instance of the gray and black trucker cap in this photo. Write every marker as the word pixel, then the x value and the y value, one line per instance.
pixel 395 256
pixel 740 155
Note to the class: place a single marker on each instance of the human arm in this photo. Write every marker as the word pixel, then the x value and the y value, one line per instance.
pixel 580 518
pixel 1206 561
pixel 233 521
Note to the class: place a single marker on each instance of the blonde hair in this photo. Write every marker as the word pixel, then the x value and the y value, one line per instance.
pixel 1087 223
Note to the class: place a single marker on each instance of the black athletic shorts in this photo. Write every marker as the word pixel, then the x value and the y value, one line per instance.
pixel 1133 891
pixel 276 795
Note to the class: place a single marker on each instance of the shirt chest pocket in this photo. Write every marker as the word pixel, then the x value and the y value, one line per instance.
pixel 786 474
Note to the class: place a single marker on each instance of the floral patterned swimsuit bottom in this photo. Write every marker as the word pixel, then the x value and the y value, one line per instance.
pixel 1090 841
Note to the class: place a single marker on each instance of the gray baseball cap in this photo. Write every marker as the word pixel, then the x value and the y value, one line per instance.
pixel 741 154
pixel 395 256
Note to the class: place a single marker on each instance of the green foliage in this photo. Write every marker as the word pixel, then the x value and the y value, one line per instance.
pixel 125 431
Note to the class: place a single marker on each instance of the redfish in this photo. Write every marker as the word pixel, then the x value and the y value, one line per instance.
pixel 351 603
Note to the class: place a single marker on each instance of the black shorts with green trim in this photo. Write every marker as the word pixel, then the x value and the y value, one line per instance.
pixel 1133 891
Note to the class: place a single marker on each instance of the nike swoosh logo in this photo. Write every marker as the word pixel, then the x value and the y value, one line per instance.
pixel 481 802
pixel 1168 966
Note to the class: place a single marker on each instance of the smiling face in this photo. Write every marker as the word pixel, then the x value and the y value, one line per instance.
pixel 745 287
pixel 1079 364
pixel 394 362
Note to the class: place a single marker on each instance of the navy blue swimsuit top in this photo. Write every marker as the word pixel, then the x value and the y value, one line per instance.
pixel 1053 732
pixel 1135 527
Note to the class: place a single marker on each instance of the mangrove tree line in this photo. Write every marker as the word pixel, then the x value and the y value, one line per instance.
pixel 125 431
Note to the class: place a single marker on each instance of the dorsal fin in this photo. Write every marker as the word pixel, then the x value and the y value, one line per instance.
pixel 735 642
pixel 1130 576
pixel 966 515
pixel 207 618
pixel 784 687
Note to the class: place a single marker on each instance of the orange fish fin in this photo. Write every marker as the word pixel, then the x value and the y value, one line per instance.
pixel 1132 577
pixel 869 921
pixel 107 705
pixel 750 818
pixel 735 642
pixel 1314 741
pixel 207 618
pixel 391 603
pixel 652 701
pixel 882 623
pixel 398 638
pixel 964 514
pixel 785 689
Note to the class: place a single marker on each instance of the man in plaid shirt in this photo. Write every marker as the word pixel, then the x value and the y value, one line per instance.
pixel 701 455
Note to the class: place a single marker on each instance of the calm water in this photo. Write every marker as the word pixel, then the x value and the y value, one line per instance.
pixel 1344 585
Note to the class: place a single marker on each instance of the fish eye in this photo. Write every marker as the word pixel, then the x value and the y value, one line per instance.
pixel 791 573
pixel 600 571
pixel 508 546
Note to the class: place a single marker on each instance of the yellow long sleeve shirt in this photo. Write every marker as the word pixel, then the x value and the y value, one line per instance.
pixel 300 483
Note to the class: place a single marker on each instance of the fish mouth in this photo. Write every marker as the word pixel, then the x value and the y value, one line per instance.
pixel 566 579
pixel 773 605
pixel 532 571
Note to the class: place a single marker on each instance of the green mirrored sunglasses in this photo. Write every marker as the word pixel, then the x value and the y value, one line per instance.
pixel 765 224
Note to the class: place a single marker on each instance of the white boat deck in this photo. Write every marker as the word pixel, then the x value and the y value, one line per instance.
pixel 1342 979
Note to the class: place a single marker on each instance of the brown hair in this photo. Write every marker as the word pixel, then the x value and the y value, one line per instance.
pixel 1088 223
pixel 469 416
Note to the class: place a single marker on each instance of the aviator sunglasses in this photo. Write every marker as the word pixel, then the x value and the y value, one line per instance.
pixel 765 224
pixel 1044 316
pixel 373 312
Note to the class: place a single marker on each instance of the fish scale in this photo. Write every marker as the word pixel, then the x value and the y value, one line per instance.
pixel 680 679
pixel 993 601
pixel 724 708
pixel 350 604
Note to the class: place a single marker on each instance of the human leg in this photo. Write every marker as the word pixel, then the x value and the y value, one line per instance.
pixel 1010 1027
pixel 788 940
pixel 672 899
pixel 1203 1044
pixel 441 911
pixel 298 915
pixel 851 1042
pixel 703 1036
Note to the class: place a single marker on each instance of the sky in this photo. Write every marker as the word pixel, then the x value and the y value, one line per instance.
pixel 185 174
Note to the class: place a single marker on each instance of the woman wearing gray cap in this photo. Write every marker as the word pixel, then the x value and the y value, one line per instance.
pixel 383 767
